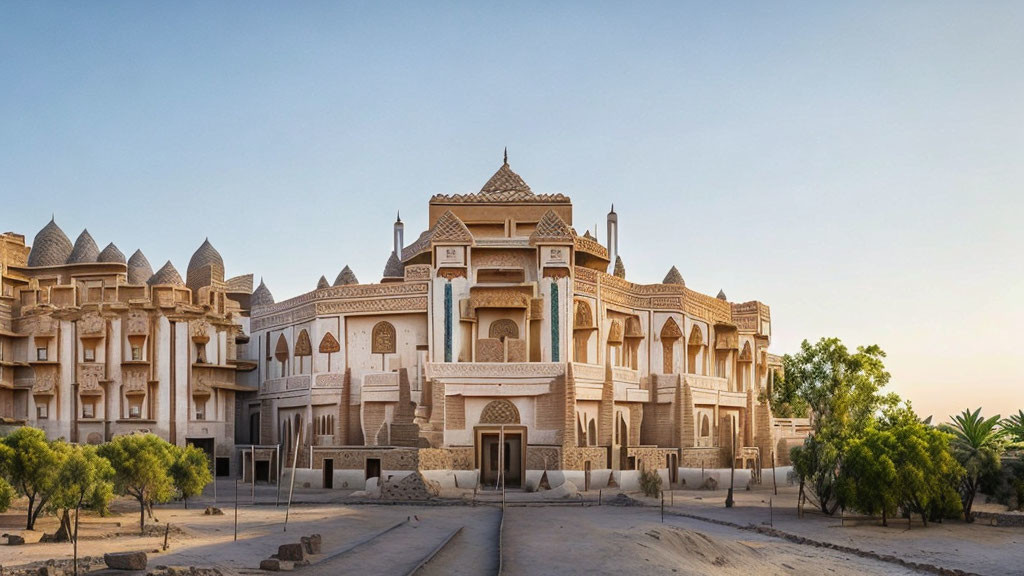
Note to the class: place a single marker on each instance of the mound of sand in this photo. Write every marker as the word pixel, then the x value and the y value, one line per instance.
pixel 411 487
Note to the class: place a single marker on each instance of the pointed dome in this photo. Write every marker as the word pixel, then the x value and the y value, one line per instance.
pixel 346 277
pixel 721 295
pixel 111 254
pixel 261 296
pixel 505 181
pixel 551 228
pixel 50 247
pixel 620 268
pixel 85 249
pixel 673 277
pixel 139 270
pixel 205 267
pixel 322 283
pixel 394 268
pixel 166 276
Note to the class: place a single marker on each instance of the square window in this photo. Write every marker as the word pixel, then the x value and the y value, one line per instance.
pixel 89 410
pixel 42 411
pixel 41 354
pixel 89 354
pixel 135 411
pixel 136 353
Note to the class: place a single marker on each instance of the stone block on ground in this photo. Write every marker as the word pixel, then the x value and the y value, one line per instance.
pixel 411 487
pixel 276 565
pixel 710 483
pixel 291 552
pixel 213 511
pixel 311 543
pixel 125 560
pixel 14 540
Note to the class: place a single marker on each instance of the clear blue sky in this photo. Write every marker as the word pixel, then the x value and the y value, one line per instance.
pixel 858 167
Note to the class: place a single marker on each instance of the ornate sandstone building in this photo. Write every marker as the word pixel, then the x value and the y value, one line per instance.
pixel 498 341
pixel 93 345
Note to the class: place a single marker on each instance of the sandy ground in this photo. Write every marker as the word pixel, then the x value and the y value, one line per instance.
pixel 537 539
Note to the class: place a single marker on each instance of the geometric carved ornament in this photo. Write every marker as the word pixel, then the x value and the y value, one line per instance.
pixel 502 329
pixel 329 344
pixel 500 412
pixel 383 338
pixel 303 347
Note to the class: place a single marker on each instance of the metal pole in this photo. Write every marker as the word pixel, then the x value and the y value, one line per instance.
pixel 663 507
pixel 775 484
pixel 277 462
pixel 771 514
pixel 236 508
pixel 252 464
pixel 291 486
pixel 214 481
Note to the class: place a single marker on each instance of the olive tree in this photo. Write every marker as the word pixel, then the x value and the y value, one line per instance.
pixel 142 465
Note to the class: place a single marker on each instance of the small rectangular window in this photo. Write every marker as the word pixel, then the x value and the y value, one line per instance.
pixel 41 354
pixel 89 354
pixel 200 413
pixel 135 411
pixel 89 410
pixel 42 411
pixel 136 353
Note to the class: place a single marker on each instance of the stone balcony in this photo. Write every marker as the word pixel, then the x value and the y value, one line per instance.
pixel 286 384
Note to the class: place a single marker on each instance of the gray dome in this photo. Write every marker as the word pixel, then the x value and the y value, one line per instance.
pixel 85 249
pixel 721 295
pixel 673 277
pixel 394 267
pixel 50 247
pixel 322 283
pixel 261 296
pixel 205 258
pixel 346 277
pixel 139 270
pixel 111 254
pixel 166 276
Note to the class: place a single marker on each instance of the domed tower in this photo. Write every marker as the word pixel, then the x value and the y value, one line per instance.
pixel 166 276
pixel 204 269
pixel 51 247
pixel 261 296
pixel 111 254
pixel 85 250
pixel 139 270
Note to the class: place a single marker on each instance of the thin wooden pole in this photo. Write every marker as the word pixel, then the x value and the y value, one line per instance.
pixel 291 486
pixel 78 511
pixel 252 465
pixel 775 485
pixel 236 508
pixel 277 462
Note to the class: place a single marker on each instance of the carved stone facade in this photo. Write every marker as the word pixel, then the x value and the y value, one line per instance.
pixel 98 346
pixel 501 330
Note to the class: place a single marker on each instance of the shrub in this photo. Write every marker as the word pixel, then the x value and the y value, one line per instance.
pixel 650 483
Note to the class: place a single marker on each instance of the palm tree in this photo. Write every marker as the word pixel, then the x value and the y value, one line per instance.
pixel 1013 425
pixel 976 444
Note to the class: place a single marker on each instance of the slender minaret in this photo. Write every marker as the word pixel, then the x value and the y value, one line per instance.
pixel 613 235
pixel 399 235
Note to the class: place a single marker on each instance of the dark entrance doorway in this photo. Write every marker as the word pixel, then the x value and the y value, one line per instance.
pixel 263 471
pixel 204 444
pixel 501 460
pixel 372 468
pixel 223 466
pixel 329 473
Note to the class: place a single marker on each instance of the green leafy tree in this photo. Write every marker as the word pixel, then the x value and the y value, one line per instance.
pixel 190 472
pixel 786 401
pixel 85 480
pixel 6 491
pixel 1013 426
pixel 142 464
pixel 927 474
pixel 977 443
pixel 32 466
pixel 843 393
pixel 869 475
